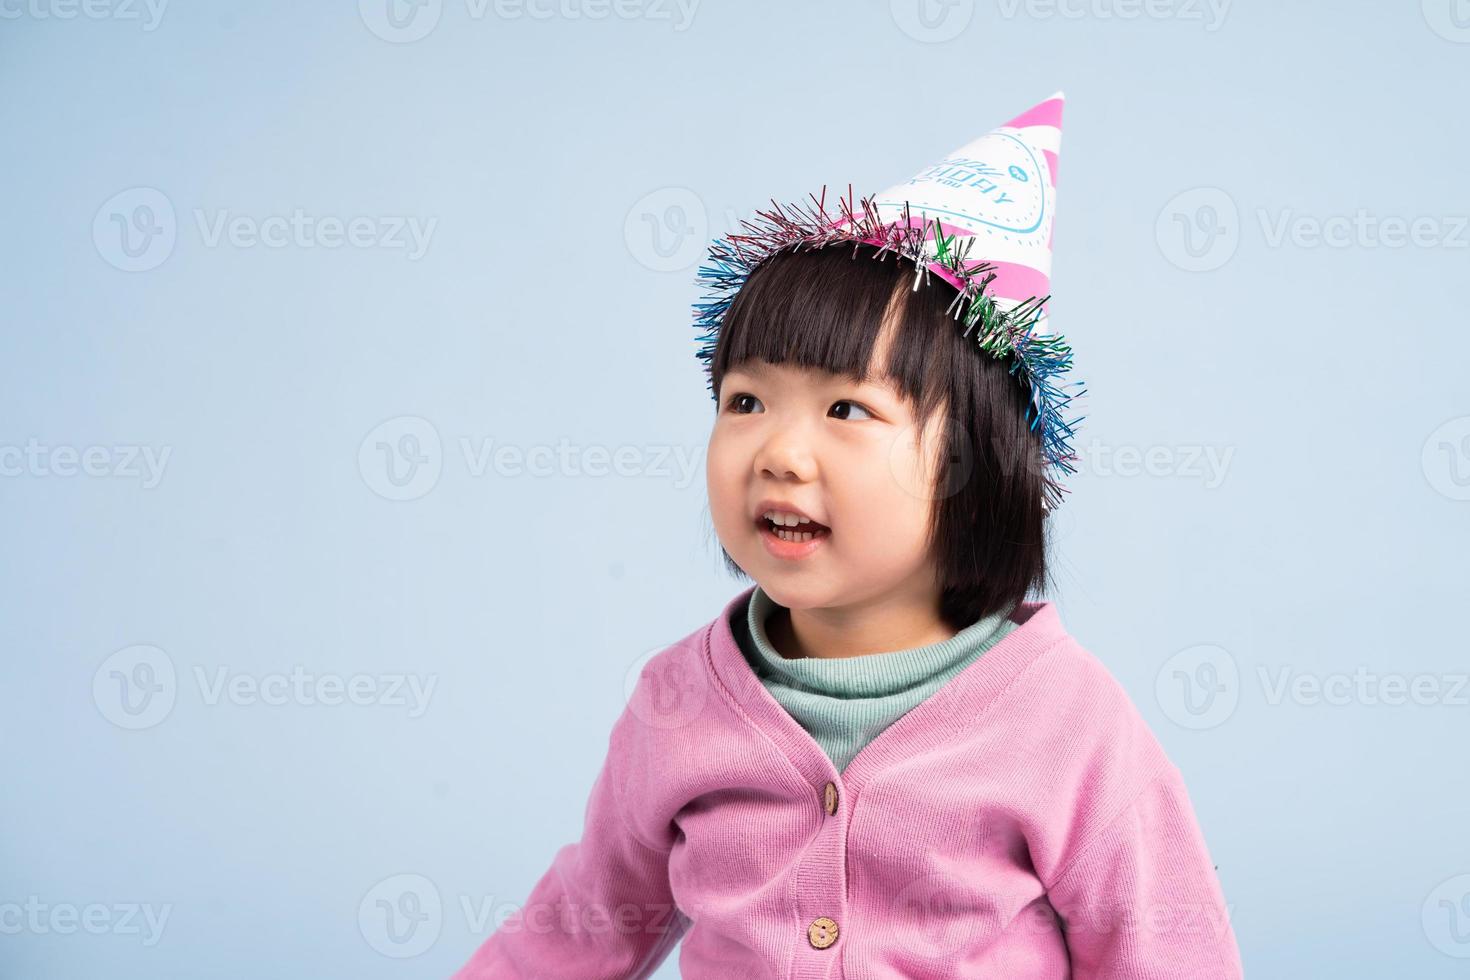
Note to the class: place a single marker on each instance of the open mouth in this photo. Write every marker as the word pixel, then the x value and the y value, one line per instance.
pixel 794 533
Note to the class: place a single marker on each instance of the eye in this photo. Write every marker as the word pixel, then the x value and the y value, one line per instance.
pixel 853 404
pixel 736 400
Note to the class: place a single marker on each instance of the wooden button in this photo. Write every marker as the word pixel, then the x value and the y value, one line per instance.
pixel 829 798
pixel 822 932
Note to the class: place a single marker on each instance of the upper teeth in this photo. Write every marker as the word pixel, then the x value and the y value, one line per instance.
pixel 784 518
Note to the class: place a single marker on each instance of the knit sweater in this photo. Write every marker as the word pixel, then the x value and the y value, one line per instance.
pixel 844 703
pixel 1022 821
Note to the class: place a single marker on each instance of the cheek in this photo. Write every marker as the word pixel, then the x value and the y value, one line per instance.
pixel 888 517
pixel 723 471
pixel 913 471
pixel 883 499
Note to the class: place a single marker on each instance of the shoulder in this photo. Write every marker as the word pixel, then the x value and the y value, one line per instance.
pixel 1090 751
pixel 677 712
pixel 1083 677
pixel 665 691
pixel 688 682
pixel 670 686
pixel 680 735
pixel 1092 726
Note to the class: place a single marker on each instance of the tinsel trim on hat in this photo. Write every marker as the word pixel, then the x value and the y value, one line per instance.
pixel 1039 359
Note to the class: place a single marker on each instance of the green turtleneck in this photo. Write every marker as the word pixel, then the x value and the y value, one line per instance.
pixel 845 703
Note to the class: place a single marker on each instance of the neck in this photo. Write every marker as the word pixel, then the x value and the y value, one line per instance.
pixel 898 622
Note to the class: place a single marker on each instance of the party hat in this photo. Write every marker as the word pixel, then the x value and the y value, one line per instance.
pixel 980 220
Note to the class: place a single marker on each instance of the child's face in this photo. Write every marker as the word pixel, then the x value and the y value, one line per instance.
pixel 845 455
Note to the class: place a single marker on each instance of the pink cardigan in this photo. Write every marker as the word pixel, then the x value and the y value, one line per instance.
pixel 1022 822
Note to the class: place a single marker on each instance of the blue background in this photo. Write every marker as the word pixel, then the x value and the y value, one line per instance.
pixel 572 167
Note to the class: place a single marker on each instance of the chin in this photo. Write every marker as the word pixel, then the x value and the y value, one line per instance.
pixel 798 595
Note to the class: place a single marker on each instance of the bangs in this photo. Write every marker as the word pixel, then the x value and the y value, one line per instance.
pixel 826 308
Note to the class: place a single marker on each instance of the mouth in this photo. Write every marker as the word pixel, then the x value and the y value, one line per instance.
pixel 807 530
pixel 791 543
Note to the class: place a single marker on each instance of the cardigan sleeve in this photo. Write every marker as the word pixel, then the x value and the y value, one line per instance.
pixel 602 911
pixel 1141 900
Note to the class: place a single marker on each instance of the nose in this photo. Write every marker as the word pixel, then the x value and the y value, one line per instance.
pixel 786 454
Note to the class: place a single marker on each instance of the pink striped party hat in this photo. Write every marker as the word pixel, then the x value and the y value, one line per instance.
pixel 980 220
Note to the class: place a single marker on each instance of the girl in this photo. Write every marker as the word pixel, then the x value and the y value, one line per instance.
pixel 881 760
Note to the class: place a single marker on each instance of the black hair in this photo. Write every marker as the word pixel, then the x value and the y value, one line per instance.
pixel 825 308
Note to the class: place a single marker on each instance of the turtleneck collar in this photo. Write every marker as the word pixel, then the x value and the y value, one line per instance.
pixel 871 675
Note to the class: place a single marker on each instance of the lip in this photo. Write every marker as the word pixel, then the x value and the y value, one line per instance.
pixel 790 550
pixel 787 550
